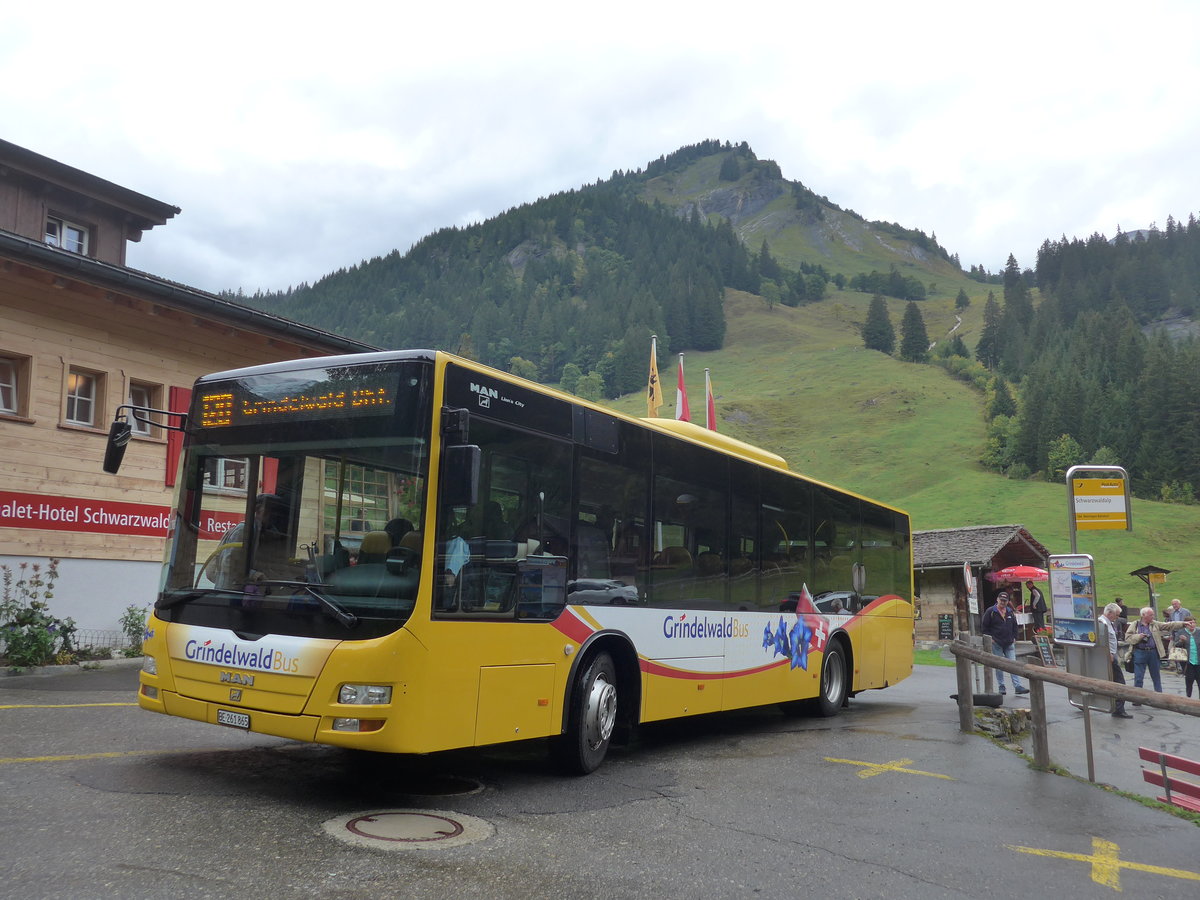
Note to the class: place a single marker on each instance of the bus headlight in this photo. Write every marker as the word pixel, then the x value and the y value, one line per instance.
pixel 368 694
pixel 149 665
pixel 358 725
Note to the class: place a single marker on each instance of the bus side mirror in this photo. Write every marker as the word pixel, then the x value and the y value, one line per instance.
pixel 460 475
pixel 118 439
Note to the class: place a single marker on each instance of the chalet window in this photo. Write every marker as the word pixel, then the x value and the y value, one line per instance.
pixel 143 394
pixel 10 386
pixel 67 235
pixel 225 473
pixel 83 395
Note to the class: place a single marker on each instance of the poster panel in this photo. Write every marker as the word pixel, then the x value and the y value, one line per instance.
pixel 1073 599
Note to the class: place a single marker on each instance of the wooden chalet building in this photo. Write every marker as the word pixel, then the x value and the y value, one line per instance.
pixel 81 334
pixel 939 558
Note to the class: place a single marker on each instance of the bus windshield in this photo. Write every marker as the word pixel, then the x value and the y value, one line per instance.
pixel 299 512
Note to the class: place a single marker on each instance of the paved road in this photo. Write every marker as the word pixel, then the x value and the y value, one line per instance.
pixel 887 800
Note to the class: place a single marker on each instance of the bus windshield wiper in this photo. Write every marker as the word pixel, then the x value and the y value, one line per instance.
pixel 178 598
pixel 331 606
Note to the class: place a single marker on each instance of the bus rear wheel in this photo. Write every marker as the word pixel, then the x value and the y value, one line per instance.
pixel 833 682
pixel 591 719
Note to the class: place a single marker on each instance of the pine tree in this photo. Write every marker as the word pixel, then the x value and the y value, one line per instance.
pixel 987 348
pixel 1002 402
pixel 914 339
pixel 878 333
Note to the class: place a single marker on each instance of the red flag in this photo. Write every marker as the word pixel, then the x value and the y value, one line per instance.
pixel 804 601
pixel 681 405
pixel 710 409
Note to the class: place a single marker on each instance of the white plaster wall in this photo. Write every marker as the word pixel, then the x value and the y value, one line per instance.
pixel 95 592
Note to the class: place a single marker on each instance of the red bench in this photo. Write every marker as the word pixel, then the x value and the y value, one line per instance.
pixel 1179 791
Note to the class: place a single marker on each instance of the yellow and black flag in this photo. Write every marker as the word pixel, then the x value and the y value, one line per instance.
pixel 653 389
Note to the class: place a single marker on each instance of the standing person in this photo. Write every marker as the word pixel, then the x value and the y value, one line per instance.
pixel 999 622
pixel 1123 619
pixel 1189 639
pixel 1146 636
pixel 1176 612
pixel 1109 620
pixel 1037 606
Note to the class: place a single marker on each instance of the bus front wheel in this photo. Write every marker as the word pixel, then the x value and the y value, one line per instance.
pixel 592 717
pixel 833 682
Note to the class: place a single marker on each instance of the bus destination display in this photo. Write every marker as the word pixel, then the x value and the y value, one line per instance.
pixel 297 397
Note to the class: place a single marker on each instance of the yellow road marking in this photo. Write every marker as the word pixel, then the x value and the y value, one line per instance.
pixel 1107 863
pixel 896 765
pixel 73 757
pixel 59 705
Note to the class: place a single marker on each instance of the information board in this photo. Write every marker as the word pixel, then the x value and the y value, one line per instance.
pixel 1073 599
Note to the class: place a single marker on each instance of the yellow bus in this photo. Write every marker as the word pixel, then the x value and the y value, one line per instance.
pixel 410 552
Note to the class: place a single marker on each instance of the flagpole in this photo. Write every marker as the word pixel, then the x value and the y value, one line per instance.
pixel 710 407
pixel 653 388
pixel 681 404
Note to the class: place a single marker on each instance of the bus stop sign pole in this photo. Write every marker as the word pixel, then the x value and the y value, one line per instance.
pixel 1097 499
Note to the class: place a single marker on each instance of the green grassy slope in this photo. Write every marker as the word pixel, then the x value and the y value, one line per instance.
pixel 838 240
pixel 799 383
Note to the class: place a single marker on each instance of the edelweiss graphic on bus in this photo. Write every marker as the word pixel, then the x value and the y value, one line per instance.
pixel 794 643
pixel 277 654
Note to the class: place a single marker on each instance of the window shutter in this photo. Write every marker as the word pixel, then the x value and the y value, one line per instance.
pixel 270 474
pixel 178 401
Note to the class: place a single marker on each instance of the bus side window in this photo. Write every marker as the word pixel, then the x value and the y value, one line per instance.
pixel 591 552
pixel 608 542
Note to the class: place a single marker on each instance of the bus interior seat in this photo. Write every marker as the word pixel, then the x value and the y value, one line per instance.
pixel 411 541
pixel 674 558
pixel 710 563
pixel 375 547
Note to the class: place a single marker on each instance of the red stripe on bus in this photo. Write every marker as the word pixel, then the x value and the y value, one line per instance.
pixel 652 668
pixel 573 626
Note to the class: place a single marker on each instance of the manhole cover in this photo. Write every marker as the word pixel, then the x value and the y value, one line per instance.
pixel 408 829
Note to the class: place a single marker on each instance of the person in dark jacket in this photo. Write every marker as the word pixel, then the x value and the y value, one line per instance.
pixel 1036 605
pixel 999 622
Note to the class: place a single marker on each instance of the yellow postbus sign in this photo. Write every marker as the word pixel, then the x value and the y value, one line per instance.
pixel 1100 503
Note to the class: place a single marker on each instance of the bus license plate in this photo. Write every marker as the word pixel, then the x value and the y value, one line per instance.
pixel 233 719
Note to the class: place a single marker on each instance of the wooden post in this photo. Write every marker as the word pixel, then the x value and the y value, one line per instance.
pixel 1087 736
pixel 989 685
pixel 1037 724
pixel 966 699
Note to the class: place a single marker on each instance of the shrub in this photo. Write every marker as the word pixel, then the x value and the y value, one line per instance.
pixel 31 636
pixel 133 625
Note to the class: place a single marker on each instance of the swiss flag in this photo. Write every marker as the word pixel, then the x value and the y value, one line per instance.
pixel 820 633
pixel 804 602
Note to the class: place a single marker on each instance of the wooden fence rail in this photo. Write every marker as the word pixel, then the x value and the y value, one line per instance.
pixel 1037 675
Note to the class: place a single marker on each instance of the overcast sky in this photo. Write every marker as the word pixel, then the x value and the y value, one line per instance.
pixel 298 139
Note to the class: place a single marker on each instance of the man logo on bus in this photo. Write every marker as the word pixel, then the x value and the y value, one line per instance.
pixel 485 394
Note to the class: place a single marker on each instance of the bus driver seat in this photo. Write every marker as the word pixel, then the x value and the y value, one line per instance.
pixel 375 547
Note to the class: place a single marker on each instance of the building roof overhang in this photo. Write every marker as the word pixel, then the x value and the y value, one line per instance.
pixel 979 545
pixel 141 213
pixel 68 266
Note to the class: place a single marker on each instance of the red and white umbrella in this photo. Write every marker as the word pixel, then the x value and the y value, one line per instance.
pixel 1018 573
